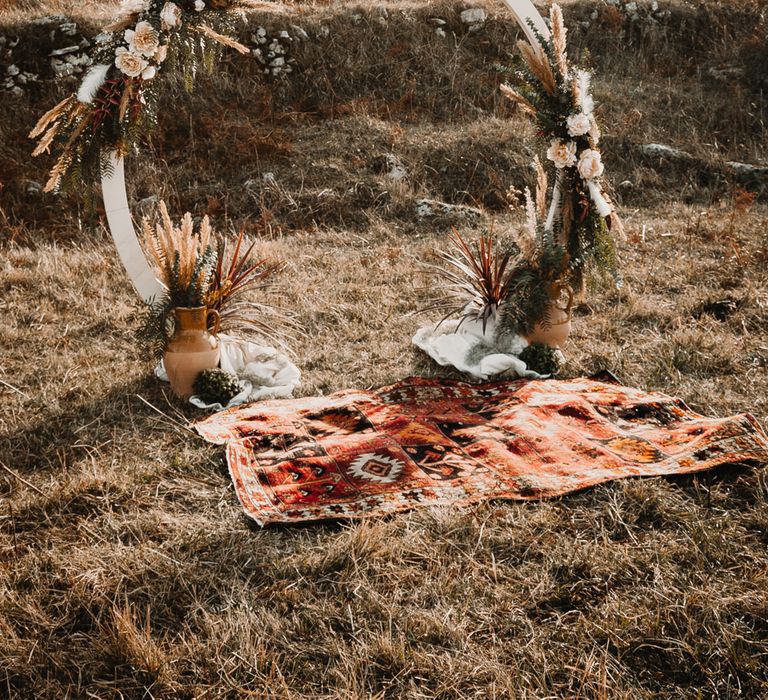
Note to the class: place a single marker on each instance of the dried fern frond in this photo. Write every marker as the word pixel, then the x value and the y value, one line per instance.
pixel 223 39
pixel 185 261
pixel 539 66
pixel 46 139
pixel 125 100
pixel 558 39
pixel 513 95
pixel 58 171
pixel 52 115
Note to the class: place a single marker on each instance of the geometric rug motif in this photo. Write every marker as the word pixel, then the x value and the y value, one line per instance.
pixel 424 442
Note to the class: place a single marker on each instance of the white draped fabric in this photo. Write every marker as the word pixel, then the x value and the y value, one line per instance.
pixel 474 350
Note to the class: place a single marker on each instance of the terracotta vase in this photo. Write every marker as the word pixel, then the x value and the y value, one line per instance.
pixel 191 349
pixel 555 327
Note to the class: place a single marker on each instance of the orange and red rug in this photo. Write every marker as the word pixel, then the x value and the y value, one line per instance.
pixel 438 442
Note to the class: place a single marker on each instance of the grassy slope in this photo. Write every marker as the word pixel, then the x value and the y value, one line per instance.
pixel 125 563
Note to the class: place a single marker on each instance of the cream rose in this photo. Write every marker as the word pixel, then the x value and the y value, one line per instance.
pixel 590 164
pixel 161 54
pixel 129 62
pixel 562 154
pixel 170 15
pixel 578 124
pixel 143 40
pixel 199 5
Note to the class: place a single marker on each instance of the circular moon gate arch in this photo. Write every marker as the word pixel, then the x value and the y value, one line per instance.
pixel 115 196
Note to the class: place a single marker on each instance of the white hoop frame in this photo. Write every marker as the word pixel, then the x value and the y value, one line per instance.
pixel 113 190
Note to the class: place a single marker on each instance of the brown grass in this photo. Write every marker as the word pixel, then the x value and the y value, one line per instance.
pixel 126 566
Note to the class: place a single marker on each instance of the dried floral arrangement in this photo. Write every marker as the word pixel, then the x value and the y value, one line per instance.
pixel 529 279
pixel 116 103
pixel 197 268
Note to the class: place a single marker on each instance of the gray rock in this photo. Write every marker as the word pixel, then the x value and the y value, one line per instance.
pixel 395 169
pixel 427 208
pixel 727 73
pixel 659 149
pixel 747 169
pixel 474 16
pixel 49 19
pixel 61 69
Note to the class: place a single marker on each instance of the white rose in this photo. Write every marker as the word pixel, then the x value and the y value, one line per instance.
pixel 129 62
pixel 590 164
pixel 170 15
pixel 161 54
pixel 143 39
pixel 562 154
pixel 148 73
pixel 199 5
pixel 578 124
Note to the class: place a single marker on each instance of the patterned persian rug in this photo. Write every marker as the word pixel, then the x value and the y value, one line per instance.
pixel 438 442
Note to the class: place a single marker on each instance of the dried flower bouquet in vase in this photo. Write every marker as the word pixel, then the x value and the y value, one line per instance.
pixel 185 261
pixel 207 289
pixel 521 293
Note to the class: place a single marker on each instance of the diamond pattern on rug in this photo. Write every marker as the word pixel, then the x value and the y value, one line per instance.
pixel 441 442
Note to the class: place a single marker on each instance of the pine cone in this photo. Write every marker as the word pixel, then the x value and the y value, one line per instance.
pixel 541 358
pixel 216 386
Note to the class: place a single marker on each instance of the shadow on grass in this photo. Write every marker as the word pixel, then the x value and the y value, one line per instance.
pixel 56 438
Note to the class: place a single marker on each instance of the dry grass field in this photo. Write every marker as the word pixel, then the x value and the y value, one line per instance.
pixel 127 569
